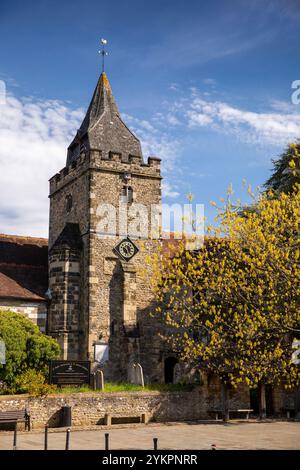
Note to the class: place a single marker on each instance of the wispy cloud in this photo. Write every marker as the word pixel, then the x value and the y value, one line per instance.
pixel 157 141
pixel 278 126
pixel 198 49
pixel 9 81
pixel 33 140
pixel 168 190
pixel 34 136
pixel 285 8
pixel 173 86
pixel 219 33
pixel 210 81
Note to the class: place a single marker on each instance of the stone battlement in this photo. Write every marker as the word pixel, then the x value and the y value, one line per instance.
pixel 116 163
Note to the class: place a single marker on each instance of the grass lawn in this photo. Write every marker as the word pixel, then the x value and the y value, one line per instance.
pixel 127 387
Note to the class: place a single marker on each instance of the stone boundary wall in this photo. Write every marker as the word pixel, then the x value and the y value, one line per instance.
pixel 90 408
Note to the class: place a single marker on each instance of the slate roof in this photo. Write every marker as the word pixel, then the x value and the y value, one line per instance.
pixel 23 267
pixel 69 237
pixel 103 128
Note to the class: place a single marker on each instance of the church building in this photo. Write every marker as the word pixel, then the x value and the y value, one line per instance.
pixel 100 300
pixel 86 286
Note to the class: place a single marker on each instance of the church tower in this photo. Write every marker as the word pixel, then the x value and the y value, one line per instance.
pixel 100 299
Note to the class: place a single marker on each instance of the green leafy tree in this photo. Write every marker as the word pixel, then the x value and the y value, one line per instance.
pixel 286 172
pixel 26 348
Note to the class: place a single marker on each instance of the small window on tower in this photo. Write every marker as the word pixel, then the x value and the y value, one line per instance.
pixel 69 202
pixel 127 195
pixel 130 195
pixel 123 197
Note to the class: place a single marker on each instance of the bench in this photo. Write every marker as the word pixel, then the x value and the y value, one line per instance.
pixel 108 419
pixel 16 416
pixel 221 412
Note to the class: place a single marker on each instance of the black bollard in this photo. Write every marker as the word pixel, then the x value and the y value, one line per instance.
pixel 155 440
pixel 46 438
pixel 106 441
pixel 68 439
pixel 15 438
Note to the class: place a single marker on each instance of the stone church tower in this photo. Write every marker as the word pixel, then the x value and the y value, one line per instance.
pixel 100 303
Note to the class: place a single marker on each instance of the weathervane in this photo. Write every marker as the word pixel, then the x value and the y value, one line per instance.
pixel 103 52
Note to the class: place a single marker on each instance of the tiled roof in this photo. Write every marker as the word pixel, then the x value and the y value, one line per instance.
pixel 23 267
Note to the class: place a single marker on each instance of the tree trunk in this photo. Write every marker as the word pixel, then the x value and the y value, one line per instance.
pixel 225 399
pixel 262 401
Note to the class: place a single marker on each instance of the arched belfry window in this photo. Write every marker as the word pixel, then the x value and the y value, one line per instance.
pixel 69 202
pixel 127 195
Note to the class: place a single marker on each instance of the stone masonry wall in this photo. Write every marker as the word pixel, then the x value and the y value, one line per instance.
pixel 74 182
pixel 119 294
pixel 34 310
pixel 64 312
pixel 90 408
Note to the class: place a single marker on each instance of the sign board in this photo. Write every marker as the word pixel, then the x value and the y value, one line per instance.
pixel 101 352
pixel 69 372
pixel 2 352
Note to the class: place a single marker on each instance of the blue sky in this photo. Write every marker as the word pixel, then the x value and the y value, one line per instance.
pixel 205 85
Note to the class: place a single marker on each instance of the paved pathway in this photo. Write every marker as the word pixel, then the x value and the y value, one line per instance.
pixel 236 435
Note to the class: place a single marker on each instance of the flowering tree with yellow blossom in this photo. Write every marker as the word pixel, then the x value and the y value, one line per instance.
pixel 232 307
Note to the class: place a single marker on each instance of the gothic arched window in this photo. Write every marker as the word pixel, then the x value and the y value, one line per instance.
pixel 69 202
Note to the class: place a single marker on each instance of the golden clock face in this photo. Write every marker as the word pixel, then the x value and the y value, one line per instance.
pixel 126 249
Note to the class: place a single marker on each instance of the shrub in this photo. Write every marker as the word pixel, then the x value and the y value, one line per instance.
pixel 33 382
pixel 26 348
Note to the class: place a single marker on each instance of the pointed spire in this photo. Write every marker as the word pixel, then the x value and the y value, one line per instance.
pixel 102 101
pixel 103 128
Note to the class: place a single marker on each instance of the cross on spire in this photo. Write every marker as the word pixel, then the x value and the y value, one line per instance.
pixel 103 51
